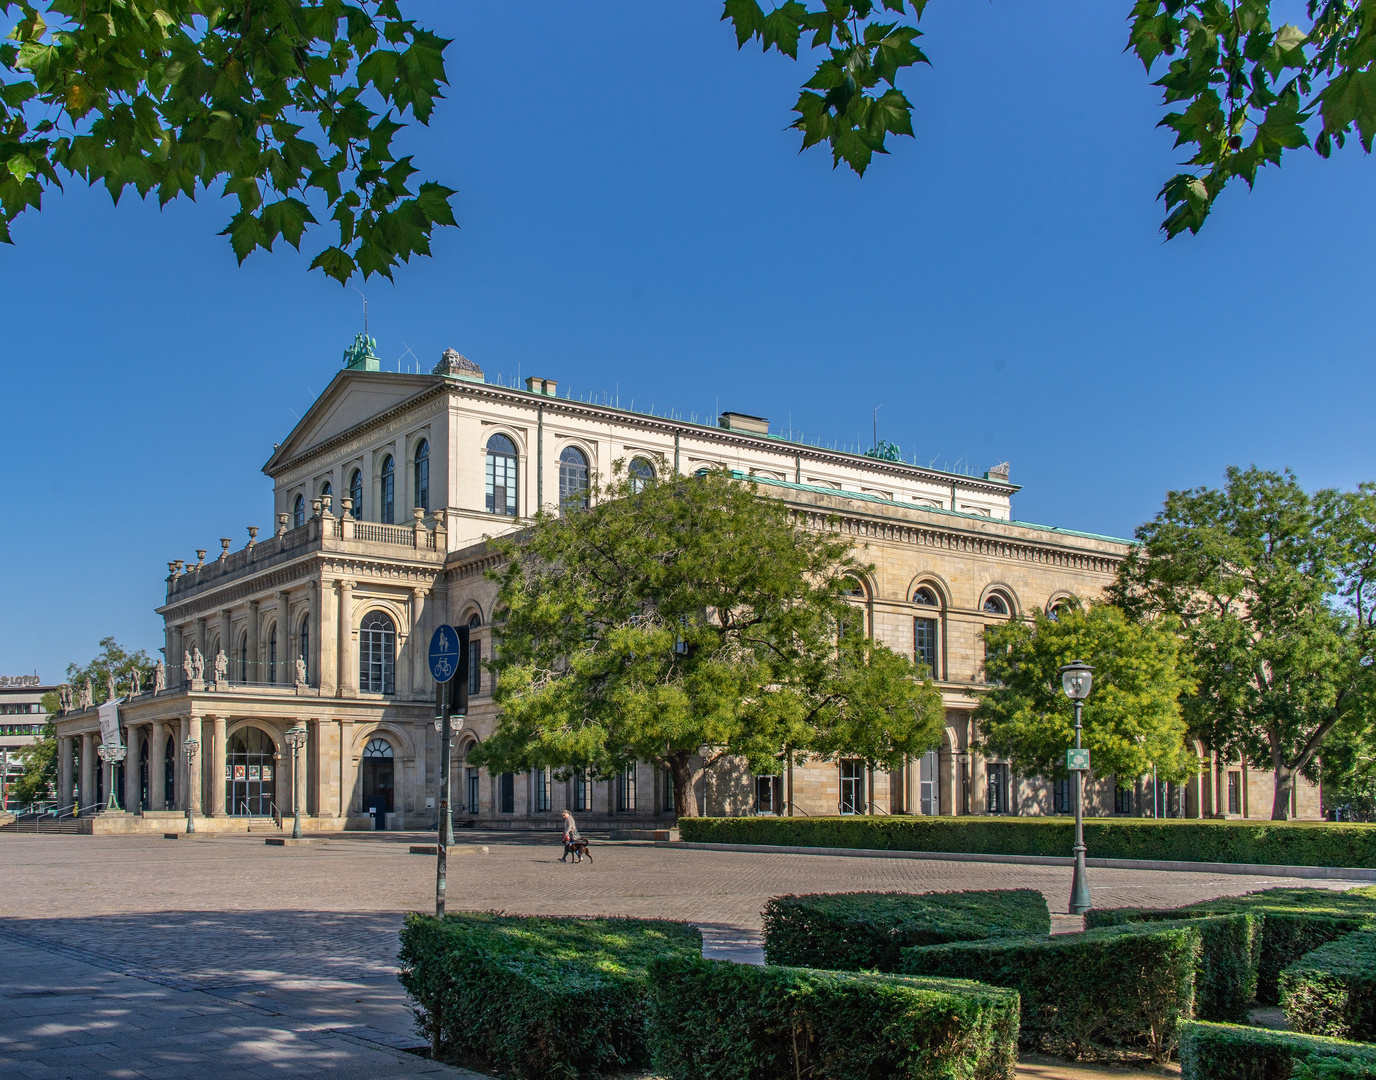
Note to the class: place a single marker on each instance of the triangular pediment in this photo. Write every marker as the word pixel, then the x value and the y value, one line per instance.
pixel 352 399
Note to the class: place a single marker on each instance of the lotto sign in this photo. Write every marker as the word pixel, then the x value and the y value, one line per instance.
pixel 1077 760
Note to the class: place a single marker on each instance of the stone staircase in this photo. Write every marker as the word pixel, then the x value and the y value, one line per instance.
pixel 43 823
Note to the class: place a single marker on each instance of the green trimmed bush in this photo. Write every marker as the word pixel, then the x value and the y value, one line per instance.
pixel 867 931
pixel 1103 993
pixel 715 1020
pixel 1269 843
pixel 1231 1052
pixel 1296 921
pixel 537 997
pixel 1225 983
pixel 1332 990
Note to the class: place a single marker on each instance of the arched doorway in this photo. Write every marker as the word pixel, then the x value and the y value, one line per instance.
pixel 250 773
pixel 377 780
pixel 169 774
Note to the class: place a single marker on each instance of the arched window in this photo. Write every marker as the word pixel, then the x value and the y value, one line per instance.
pixel 855 592
pixel 389 491
pixel 925 632
pixel 272 654
pixel 356 494
pixel 250 765
pixel 298 512
pixel 377 748
pixel 573 479
pixel 995 604
pixel 423 476
pixel 325 489
pixel 642 475
pixel 501 476
pixel 475 655
pixel 377 646
pixel 305 653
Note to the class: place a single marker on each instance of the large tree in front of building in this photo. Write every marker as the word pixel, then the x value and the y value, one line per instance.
pixel 682 616
pixel 1274 589
pixel 1132 720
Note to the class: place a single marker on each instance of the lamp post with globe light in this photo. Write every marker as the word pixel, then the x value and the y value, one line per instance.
pixel 296 738
pixel 112 756
pixel 1076 678
pixel 190 747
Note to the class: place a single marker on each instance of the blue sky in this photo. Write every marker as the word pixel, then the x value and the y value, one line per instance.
pixel 635 215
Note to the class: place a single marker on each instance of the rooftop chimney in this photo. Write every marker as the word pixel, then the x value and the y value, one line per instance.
pixel 548 387
pixel 736 421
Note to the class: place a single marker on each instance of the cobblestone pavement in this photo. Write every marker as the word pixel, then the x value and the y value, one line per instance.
pixel 144 957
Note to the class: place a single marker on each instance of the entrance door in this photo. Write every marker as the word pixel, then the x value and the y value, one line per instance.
pixel 929 783
pixel 852 786
pixel 377 781
pixel 250 773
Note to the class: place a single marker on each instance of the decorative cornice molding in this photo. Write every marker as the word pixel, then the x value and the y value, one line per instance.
pixel 391 419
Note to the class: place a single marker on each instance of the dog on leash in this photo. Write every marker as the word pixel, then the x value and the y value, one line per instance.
pixel 577 848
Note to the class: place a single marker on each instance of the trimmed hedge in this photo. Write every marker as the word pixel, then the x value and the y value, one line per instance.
pixel 715 1020
pixel 865 931
pixel 537 997
pixel 1271 843
pixel 1296 921
pixel 1103 993
pixel 1225 983
pixel 1332 990
pixel 1231 1052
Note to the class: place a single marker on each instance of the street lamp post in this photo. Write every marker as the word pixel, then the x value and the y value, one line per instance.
pixel 1076 678
pixel 296 738
pixel 190 747
pixel 111 755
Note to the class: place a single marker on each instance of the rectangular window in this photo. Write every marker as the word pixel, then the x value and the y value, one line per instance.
pixel 1234 793
pixel 667 804
pixel 625 790
pixel 541 790
pixel 766 794
pixel 506 793
pixel 472 780
pixel 852 786
pixel 1062 797
pixel 924 644
pixel 475 667
pixel 929 783
pixel 582 790
pixel 501 484
pixel 1122 800
pixel 997 793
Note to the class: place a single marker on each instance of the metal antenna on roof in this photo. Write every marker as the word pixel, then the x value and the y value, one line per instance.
pixel 408 350
pixel 876 424
pixel 365 309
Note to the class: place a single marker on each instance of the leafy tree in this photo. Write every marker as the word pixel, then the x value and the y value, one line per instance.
pixel 39 778
pixel 114 660
pixel 284 102
pixel 1274 589
pixel 684 615
pixel 1250 88
pixel 1132 719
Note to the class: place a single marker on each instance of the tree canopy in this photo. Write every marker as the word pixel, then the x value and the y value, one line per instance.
pixel 283 103
pixel 1275 590
pixel 1132 719
pixel 688 615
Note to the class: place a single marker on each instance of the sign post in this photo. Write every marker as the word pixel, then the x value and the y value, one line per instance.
pixel 449 667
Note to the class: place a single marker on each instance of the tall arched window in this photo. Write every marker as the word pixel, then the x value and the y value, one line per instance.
pixel 573 479
pixel 377 648
pixel 925 631
pixel 501 476
pixel 272 654
pixel 423 476
pixel 356 493
pixel 475 655
pixel 325 489
pixel 298 512
pixel 305 653
pixel 855 592
pixel 642 475
pixel 389 491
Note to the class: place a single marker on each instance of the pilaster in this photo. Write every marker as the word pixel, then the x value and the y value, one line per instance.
pixel 131 770
pixel 87 790
pixel 327 645
pixel 157 769
pixel 218 748
pixel 255 672
pixel 348 671
pixel 64 770
pixel 183 792
pixel 285 653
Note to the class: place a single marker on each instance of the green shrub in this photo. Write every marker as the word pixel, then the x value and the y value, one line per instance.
pixel 864 931
pixel 1102 993
pixel 537 997
pixel 1225 983
pixel 714 1020
pixel 1332 990
pixel 1272 843
pixel 1296 921
pixel 1230 1052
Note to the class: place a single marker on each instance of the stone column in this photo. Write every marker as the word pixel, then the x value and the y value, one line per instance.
pixel 131 771
pixel 217 767
pixel 64 770
pixel 313 616
pixel 157 777
pixel 183 785
pixel 347 768
pixel 420 642
pixel 255 662
pixel 87 793
pixel 311 763
pixel 195 778
pixel 285 673
pixel 326 648
pixel 348 672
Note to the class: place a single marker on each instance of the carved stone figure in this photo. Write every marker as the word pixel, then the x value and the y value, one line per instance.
pixel 86 698
pixel 221 666
pixel 198 662
pixel 300 672
pixel 64 697
pixel 110 686
pixel 187 670
pixel 456 364
pixel 135 683
pixel 159 677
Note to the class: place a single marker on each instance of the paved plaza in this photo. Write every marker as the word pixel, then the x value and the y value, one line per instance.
pixel 218 956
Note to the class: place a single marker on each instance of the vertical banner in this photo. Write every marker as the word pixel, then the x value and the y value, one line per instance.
pixel 109 724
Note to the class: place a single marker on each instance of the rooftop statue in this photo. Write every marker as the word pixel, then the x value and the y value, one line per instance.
pixel 358 355
pixel 885 451
pixel 453 362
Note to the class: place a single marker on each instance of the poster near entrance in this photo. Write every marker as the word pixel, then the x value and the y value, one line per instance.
pixel 250 771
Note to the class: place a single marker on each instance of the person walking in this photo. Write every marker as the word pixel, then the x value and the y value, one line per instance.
pixel 574 844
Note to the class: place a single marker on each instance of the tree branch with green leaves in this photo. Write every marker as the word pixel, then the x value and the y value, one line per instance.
pixel 291 106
